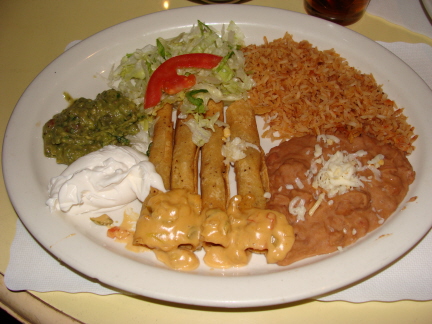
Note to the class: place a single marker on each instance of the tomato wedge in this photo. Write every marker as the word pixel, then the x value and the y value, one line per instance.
pixel 166 79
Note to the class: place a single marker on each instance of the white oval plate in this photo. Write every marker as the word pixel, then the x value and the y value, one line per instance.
pixel 85 248
pixel 428 6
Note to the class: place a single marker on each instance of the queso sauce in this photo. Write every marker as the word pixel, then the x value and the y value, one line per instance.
pixel 362 189
pixel 230 237
pixel 170 225
pixel 173 226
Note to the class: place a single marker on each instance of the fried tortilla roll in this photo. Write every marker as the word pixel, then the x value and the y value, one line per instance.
pixel 184 170
pixel 170 222
pixel 251 171
pixel 214 173
pixel 162 147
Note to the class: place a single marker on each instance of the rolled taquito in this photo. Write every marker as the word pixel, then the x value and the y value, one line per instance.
pixel 170 221
pixel 161 149
pixel 184 170
pixel 214 172
pixel 250 172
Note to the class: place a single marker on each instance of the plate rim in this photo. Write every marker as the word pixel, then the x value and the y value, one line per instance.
pixel 428 6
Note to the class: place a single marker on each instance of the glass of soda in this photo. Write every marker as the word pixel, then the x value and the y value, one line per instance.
pixel 342 12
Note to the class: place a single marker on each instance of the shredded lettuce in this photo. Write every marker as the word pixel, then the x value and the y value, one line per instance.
pixel 132 74
pixel 227 82
pixel 196 101
pixel 201 128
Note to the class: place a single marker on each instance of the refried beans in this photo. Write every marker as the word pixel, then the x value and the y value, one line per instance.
pixel 333 191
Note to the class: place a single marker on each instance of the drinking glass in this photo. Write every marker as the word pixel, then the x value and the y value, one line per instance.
pixel 342 12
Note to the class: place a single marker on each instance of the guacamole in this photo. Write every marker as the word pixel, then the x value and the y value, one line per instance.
pixel 87 125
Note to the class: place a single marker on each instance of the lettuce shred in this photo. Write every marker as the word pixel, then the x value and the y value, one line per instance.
pixel 227 82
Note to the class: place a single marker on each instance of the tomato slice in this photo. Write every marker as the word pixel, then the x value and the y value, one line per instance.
pixel 166 79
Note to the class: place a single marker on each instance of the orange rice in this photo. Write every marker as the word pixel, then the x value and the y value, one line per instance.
pixel 301 90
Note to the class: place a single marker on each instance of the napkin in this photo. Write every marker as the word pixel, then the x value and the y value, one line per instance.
pixel 407 13
pixel 31 267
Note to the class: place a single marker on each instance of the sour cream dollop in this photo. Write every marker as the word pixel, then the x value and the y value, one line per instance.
pixel 104 180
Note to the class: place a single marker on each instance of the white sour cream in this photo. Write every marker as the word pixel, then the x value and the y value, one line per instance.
pixel 104 180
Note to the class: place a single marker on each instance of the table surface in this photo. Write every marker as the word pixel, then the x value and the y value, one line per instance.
pixel 32 34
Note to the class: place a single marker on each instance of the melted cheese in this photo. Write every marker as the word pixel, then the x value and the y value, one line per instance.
pixel 216 227
pixel 173 226
pixel 231 237
pixel 124 232
pixel 178 259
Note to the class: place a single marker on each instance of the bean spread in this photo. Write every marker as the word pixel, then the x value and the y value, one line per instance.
pixel 334 191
